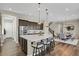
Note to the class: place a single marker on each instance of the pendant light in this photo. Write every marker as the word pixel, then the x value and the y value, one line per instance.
pixel 46 16
pixel 46 13
pixel 39 13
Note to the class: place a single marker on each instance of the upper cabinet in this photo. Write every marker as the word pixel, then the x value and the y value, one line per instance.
pixel 30 25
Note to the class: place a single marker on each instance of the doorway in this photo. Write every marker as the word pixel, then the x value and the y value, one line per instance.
pixel 8 28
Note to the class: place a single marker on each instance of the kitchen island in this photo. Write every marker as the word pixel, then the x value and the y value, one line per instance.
pixel 25 42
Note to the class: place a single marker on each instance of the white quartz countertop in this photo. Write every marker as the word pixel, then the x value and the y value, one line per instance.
pixel 35 37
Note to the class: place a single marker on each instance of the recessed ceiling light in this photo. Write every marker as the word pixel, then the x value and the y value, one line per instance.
pixel 67 9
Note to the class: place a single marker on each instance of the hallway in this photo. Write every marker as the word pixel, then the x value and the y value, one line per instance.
pixel 10 48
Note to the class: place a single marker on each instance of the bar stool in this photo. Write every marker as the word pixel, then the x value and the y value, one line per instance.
pixel 33 44
pixel 49 41
pixel 52 42
pixel 37 48
pixel 46 45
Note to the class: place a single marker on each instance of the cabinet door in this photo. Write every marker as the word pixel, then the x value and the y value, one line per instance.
pixel 23 44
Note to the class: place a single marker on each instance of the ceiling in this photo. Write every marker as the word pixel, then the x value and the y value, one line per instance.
pixel 56 11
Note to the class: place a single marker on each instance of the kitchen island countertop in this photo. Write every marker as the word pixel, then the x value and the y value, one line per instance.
pixel 35 37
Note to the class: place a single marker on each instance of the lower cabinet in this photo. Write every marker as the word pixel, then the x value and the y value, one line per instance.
pixel 23 44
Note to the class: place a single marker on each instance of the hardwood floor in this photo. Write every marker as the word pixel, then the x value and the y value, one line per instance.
pixel 10 48
pixel 62 49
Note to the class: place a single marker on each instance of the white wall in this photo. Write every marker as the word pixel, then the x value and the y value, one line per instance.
pixel 15 29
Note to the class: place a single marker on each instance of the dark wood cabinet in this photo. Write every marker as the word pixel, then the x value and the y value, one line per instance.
pixel 30 25
pixel 23 44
